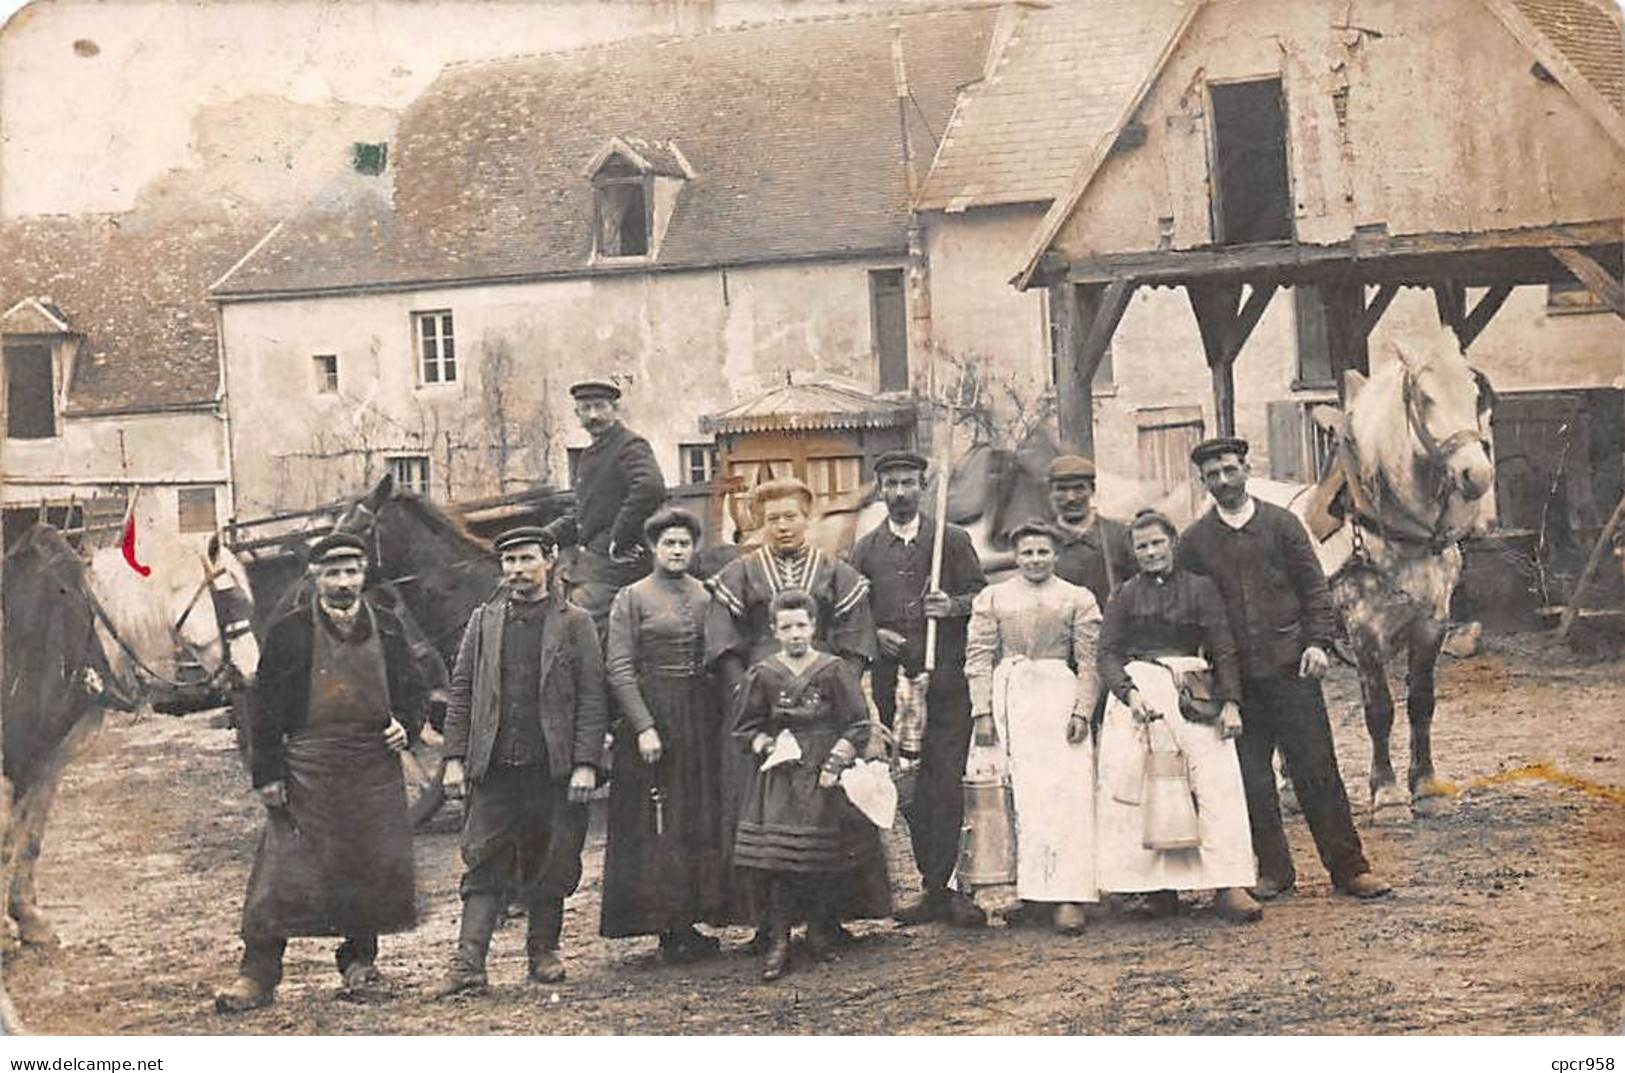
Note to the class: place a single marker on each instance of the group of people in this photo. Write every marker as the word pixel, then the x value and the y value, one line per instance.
pixel 737 715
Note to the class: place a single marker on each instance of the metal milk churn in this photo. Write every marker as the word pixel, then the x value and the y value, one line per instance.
pixel 987 842
pixel 1166 805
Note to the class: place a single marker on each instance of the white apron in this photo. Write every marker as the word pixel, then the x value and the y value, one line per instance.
pixel 1225 857
pixel 1051 780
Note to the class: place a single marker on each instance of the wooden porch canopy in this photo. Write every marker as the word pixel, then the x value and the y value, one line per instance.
pixel 1230 287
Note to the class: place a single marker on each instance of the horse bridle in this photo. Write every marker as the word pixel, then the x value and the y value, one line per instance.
pixel 1413 528
pixel 1437 450
pixel 226 673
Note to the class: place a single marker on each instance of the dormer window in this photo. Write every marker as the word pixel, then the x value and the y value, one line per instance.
pixel 635 186
pixel 623 210
pixel 40 348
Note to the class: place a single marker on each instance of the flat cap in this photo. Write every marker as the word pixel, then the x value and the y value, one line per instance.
pixel 1071 468
pixel 336 546
pixel 594 389
pixel 1218 445
pixel 524 534
pixel 900 460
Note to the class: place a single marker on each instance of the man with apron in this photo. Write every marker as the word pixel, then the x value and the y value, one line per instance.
pixel 617 486
pixel 337 698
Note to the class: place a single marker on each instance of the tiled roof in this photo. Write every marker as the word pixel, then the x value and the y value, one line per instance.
pixel 136 291
pixel 791 130
pixel 809 406
pixel 1588 37
pixel 1057 88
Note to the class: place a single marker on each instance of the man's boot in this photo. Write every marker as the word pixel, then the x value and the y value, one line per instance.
pixel 467 974
pixel 257 977
pixel 542 941
pixel 776 925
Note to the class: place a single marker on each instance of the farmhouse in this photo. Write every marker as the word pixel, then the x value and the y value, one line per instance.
pixel 112 386
pixel 695 217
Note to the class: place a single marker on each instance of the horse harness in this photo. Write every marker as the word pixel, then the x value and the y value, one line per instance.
pixel 228 605
pixel 1408 528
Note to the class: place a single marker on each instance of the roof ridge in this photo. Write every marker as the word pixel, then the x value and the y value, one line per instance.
pixel 933 7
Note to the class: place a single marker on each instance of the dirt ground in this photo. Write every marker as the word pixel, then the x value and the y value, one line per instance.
pixel 1507 916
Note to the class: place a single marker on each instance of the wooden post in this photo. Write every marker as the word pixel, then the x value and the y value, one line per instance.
pixel 1074 404
pixel 1224 330
pixel 1086 318
pixel 1347 326
pixel 1572 611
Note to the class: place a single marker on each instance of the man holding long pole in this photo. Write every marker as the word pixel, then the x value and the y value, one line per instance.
pixel 923 574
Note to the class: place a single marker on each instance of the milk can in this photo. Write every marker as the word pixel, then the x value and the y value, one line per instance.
pixel 987 842
pixel 1168 810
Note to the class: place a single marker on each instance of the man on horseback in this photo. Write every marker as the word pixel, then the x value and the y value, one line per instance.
pixel 1282 618
pixel 337 697
pixel 617 487
pixel 1095 551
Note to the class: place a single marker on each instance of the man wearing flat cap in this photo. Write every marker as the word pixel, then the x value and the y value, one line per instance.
pixel 524 732
pixel 617 486
pixel 1282 618
pixel 896 558
pixel 338 696
pixel 1094 552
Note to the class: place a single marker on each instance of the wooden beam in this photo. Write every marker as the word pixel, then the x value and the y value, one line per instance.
pixel 1379 305
pixel 1074 402
pixel 1597 279
pixel 1217 320
pixel 1102 321
pixel 1092 314
pixel 1483 312
pixel 1258 299
pixel 1345 310
pixel 1292 261
pixel 1450 298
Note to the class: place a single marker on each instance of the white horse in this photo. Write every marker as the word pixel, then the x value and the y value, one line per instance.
pixel 1414 476
pixel 194 601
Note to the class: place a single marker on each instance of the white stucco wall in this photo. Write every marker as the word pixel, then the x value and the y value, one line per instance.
pixel 684 344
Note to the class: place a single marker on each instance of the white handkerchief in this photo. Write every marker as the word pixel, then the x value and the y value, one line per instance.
pixel 785 749
pixel 868 785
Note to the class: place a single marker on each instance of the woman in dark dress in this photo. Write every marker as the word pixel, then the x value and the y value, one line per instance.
pixel 802 716
pixel 663 868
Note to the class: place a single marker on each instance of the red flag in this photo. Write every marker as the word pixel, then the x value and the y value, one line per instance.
pixel 129 540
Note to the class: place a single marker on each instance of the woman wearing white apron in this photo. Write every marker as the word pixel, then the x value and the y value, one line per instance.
pixel 1030 660
pixel 1161 624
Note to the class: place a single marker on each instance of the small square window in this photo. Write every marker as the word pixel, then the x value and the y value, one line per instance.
pixel 697 462
pixel 437 348
pixel 327 373
pixel 195 508
pixel 410 472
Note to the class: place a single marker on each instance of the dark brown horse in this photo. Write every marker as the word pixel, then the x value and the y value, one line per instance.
pixel 54 673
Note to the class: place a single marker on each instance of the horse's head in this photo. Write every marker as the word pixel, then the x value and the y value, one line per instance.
pixel 440 569
pixel 220 629
pixel 1447 407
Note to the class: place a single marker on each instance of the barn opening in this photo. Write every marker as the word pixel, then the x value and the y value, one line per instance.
pixel 1252 193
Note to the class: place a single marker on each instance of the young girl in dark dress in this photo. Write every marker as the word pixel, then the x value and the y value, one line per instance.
pixel 798 837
